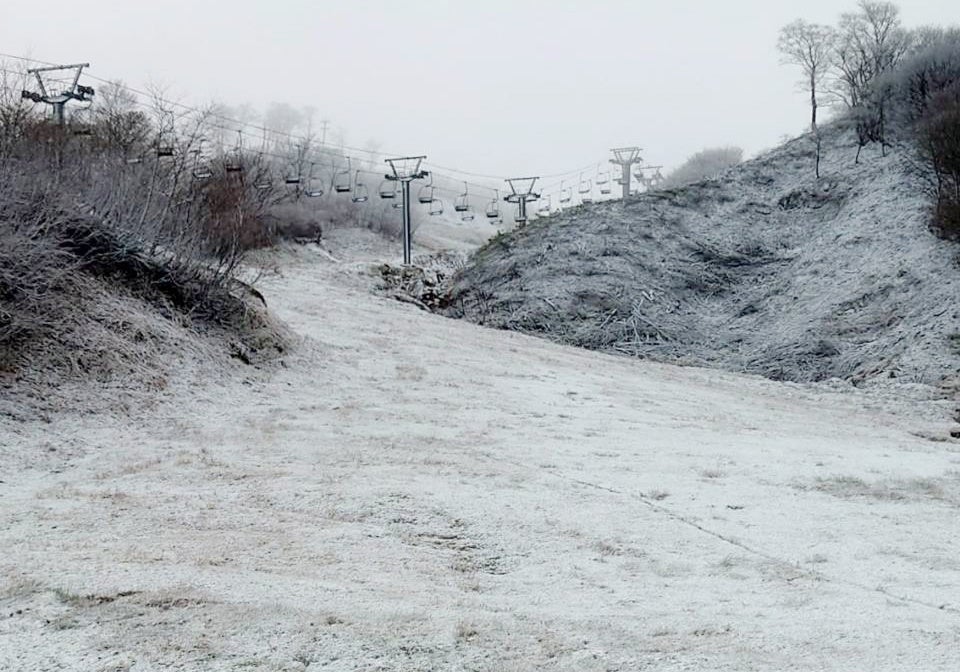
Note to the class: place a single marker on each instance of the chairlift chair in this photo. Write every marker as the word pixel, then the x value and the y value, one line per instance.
pixel 388 189
pixel 493 207
pixel 313 189
pixel 233 162
pixel 436 207
pixel 544 209
pixel 603 181
pixel 585 190
pixel 462 204
pixel 342 183
pixel 361 194
pixel 426 194
pixel 201 171
pixel 566 195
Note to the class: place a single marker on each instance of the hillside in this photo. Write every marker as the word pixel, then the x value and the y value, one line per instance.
pixel 766 270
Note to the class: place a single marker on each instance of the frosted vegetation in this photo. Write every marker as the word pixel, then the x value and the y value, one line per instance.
pixel 824 258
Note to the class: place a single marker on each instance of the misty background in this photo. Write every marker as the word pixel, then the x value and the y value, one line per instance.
pixel 498 88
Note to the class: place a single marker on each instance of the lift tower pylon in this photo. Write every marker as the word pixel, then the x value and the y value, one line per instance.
pixel 64 92
pixel 406 169
pixel 625 157
pixel 521 192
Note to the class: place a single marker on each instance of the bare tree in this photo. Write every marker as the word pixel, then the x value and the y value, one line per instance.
pixel 810 46
pixel 870 42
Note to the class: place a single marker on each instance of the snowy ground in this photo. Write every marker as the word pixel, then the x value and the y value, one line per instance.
pixel 414 493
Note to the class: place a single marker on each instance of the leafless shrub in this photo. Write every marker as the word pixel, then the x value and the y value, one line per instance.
pixel 80 212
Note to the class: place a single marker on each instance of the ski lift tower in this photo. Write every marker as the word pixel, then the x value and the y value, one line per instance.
pixel 405 170
pixel 521 192
pixel 625 157
pixel 57 91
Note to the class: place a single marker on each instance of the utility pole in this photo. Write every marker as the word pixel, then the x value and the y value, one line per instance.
pixel 521 191
pixel 324 125
pixel 405 170
pixel 59 99
pixel 625 157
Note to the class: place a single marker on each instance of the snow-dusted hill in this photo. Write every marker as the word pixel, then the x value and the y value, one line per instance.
pixel 766 270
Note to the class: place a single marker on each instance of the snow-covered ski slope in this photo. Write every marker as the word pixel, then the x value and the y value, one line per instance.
pixel 413 493
pixel 766 270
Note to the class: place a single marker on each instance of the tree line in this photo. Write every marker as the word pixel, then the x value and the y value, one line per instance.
pixel 892 85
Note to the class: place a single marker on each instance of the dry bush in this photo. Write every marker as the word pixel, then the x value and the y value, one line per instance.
pixel 939 144
pixel 103 260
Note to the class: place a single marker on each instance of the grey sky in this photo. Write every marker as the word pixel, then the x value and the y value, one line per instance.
pixel 491 86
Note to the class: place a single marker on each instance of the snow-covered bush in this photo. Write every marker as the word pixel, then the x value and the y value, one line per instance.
pixel 704 165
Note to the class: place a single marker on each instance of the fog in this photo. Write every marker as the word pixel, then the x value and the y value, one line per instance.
pixel 494 87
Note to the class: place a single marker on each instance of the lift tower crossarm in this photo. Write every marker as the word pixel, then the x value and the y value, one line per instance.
pixel 59 100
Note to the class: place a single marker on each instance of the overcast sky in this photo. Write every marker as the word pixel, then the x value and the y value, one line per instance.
pixel 490 86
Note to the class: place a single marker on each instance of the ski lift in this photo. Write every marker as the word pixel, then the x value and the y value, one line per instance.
pixel 436 207
pixel 263 183
pixel 360 195
pixel 426 193
pixel 566 195
pixel 313 188
pixel 388 189
pixel 603 181
pixel 201 171
pixel 462 204
pixel 341 183
pixel 164 150
pixel 233 162
pixel 493 207
pixel 585 190
pixel 544 209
